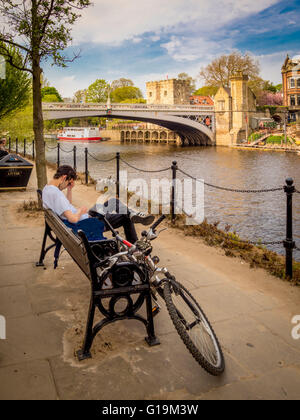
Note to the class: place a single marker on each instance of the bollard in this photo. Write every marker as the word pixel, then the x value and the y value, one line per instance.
pixel 17 145
pixel 32 149
pixel 58 155
pixel 86 166
pixel 74 158
pixel 24 147
pixel 289 244
pixel 173 204
pixel 118 175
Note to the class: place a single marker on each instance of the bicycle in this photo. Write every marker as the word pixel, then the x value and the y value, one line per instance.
pixel 185 312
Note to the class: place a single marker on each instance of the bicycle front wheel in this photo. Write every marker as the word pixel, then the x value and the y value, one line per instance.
pixel 193 327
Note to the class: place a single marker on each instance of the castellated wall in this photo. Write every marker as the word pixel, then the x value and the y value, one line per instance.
pixel 168 92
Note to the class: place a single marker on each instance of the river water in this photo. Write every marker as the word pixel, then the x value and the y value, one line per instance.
pixel 254 216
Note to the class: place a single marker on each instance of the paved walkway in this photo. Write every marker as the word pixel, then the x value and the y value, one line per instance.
pixel 45 311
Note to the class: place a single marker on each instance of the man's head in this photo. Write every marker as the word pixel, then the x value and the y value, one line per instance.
pixel 66 175
pixel 2 141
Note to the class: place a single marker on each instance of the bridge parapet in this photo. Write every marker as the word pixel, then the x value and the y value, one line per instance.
pixel 61 106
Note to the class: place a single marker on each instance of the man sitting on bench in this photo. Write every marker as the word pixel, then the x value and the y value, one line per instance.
pixel 55 199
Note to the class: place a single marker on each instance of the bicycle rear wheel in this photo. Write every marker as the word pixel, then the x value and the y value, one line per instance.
pixel 193 327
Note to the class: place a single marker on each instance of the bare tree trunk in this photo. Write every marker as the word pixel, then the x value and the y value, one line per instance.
pixel 38 126
pixel 38 122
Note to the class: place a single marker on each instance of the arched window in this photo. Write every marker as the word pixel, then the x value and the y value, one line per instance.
pixel 292 83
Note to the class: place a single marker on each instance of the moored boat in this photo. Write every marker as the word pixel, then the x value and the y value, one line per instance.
pixel 80 134
pixel 14 172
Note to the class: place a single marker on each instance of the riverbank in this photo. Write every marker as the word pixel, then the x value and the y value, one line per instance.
pixel 45 311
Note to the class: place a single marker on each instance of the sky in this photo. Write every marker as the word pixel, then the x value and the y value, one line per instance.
pixel 147 40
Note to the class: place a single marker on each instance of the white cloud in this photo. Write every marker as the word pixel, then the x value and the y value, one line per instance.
pixel 190 49
pixel 270 65
pixel 113 22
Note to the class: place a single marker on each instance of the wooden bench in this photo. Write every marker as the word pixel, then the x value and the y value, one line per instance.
pixel 91 257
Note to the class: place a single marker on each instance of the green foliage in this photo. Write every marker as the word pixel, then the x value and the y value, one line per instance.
pixel 97 91
pixel 206 91
pixel 271 108
pixel 19 124
pixel 50 91
pixel 126 93
pixel 134 101
pixel 15 89
pixel 122 82
pixel 50 98
pixel 189 79
pixel 276 139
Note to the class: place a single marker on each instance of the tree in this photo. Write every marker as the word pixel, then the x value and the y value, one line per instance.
pixel 206 91
pixel 122 82
pixel 97 91
pixel 189 79
pixel 50 91
pixel 51 98
pixel 267 97
pixel 220 70
pixel 79 96
pixel 15 88
pixel 41 29
pixel 124 93
pixel 134 101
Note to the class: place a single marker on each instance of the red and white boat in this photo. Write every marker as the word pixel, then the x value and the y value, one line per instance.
pixel 81 134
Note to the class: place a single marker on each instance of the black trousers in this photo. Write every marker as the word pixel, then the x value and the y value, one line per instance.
pixel 120 220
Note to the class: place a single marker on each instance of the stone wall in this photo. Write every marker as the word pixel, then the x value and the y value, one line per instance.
pixel 168 92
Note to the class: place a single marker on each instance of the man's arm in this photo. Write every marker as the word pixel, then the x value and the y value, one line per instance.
pixel 75 217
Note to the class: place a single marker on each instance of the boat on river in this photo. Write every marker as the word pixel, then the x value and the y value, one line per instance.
pixel 81 134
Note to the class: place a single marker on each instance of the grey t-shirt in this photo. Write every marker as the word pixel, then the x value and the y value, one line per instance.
pixel 55 199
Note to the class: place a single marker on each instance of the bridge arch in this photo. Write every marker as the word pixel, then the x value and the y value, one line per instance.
pixel 190 132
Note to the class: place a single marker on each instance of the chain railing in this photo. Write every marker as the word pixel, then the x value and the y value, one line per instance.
pixel 289 189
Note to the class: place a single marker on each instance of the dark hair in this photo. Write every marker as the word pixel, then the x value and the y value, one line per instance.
pixel 65 170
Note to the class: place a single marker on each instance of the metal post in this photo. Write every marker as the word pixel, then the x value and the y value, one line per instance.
pixel 173 199
pixel 289 244
pixel 86 166
pixel 58 155
pixel 9 144
pixel 24 147
pixel 17 145
pixel 74 158
pixel 285 121
pixel 118 175
pixel 32 149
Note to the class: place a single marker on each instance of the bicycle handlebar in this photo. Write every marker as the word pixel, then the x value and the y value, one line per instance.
pixel 158 222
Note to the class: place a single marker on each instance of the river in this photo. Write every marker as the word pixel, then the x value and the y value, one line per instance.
pixel 254 216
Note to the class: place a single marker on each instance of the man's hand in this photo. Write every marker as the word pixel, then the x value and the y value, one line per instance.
pixel 71 184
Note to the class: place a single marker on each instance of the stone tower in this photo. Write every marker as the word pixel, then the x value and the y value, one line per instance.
pixel 234 108
pixel 168 92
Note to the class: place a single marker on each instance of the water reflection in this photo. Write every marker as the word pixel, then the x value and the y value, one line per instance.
pixel 252 216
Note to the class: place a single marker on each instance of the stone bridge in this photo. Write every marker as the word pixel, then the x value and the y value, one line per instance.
pixel 195 125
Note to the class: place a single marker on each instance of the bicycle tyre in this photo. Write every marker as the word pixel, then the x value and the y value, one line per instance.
pixel 214 369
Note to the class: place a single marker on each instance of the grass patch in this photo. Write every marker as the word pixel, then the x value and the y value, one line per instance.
pixel 30 206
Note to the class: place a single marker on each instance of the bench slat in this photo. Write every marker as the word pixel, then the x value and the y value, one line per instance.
pixel 69 240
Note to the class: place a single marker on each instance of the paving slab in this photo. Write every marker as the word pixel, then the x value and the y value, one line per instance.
pixel 254 346
pixel 46 313
pixel 280 384
pixel 27 381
